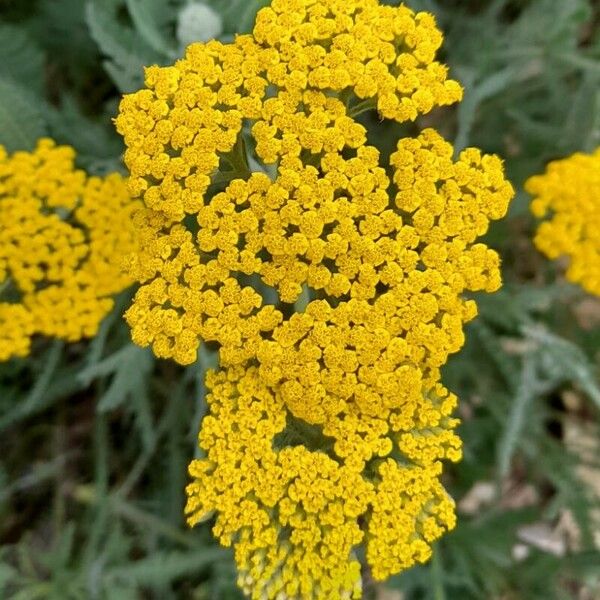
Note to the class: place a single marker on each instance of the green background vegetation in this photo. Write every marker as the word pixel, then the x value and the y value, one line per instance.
pixel 96 436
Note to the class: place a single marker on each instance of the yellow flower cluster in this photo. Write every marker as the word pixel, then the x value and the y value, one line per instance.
pixel 62 236
pixel 382 53
pixel 332 285
pixel 295 514
pixel 567 196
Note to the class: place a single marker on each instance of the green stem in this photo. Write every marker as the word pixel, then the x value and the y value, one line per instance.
pixel 361 107
pixel 58 504
pixel 437 575
pixel 99 510
pixel 368 583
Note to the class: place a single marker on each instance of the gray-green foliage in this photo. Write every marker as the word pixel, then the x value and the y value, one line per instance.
pixel 125 49
pixel 96 436
pixel 21 75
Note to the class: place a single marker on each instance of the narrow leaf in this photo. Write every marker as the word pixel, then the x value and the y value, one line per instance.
pixel 162 568
pixel 513 431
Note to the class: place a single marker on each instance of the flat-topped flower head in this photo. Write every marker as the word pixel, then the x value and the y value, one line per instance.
pixel 285 93
pixel 297 517
pixel 567 199
pixel 332 284
pixel 62 238
pixel 381 53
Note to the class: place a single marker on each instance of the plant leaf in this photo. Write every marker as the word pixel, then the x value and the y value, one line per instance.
pixel 513 431
pixel 21 119
pixel 126 51
pixel 150 18
pixel 22 59
pixel 163 567
pixel 562 360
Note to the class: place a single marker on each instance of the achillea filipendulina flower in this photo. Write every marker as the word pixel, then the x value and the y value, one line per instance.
pixel 62 238
pixel 333 285
pixel 567 197
pixel 189 119
pixel 295 514
pixel 291 512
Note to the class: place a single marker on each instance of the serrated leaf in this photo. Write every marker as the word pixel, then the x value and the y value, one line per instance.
pixel 491 345
pixel 475 94
pixel 124 80
pixel 129 368
pixel 37 395
pixel 525 394
pixel 22 121
pixel 99 341
pixel 532 128
pixel 581 130
pixel 556 24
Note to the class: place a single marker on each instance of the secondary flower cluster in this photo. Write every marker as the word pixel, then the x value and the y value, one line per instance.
pixel 294 513
pixel 332 285
pixel 62 236
pixel 567 196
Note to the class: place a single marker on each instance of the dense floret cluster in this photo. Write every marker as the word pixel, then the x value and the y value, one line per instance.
pixel 62 236
pixel 296 515
pixel 567 197
pixel 287 88
pixel 332 284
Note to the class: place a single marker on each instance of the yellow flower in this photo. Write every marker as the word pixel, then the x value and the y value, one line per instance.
pixel 294 514
pixel 566 196
pixel 332 287
pixel 382 53
pixel 62 239
pixel 16 328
